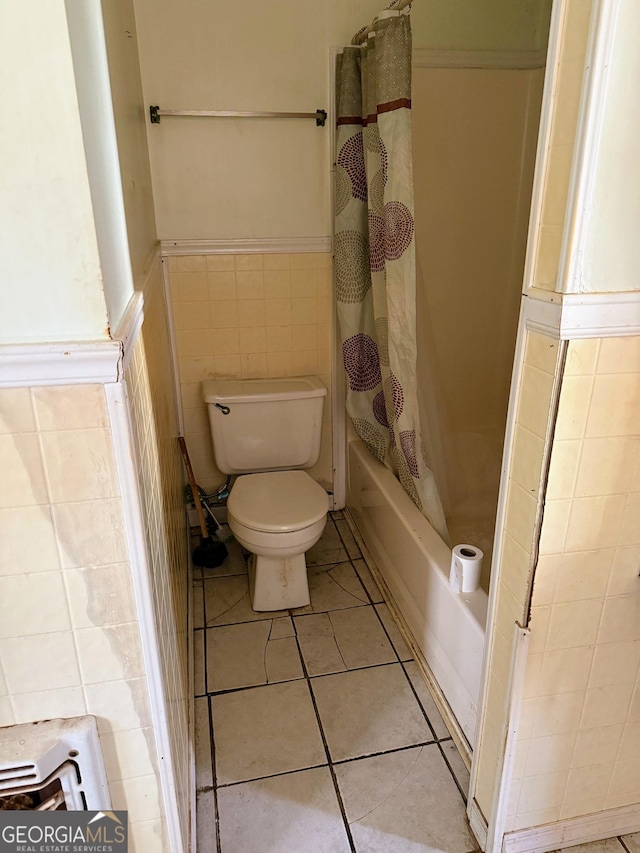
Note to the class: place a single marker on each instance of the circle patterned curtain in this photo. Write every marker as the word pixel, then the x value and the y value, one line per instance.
pixel 374 255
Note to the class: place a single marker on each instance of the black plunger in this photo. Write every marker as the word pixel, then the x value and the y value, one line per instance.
pixel 210 552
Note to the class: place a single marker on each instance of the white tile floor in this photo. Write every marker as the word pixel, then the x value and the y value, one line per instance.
pixel 314 728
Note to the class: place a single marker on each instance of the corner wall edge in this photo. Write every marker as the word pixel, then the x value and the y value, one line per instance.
pixel 572 316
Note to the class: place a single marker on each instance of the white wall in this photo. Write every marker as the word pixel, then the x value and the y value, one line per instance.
pixel 98 130
pixel 232 178
pixel 105 57
pixel 130 121
pixel 612 254
pixel 51 281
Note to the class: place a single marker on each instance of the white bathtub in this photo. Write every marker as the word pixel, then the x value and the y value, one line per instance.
pixel 414 561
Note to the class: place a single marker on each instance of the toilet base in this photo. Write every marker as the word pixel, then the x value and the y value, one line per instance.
pixel 278 583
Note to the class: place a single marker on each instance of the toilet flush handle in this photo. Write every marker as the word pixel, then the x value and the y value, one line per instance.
pixel 224 409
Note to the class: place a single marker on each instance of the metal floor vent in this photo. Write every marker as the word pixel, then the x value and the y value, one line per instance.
pixel 53 765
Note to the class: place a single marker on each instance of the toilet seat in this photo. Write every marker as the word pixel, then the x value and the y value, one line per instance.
pixel 277 501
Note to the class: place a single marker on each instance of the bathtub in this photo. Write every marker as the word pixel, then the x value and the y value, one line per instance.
pixel 447 627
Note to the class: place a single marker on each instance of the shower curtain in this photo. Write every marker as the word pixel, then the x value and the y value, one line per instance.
pixel 375 255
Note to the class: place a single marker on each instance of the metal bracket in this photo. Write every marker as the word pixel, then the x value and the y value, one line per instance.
pixel 154 112
pixel 321 118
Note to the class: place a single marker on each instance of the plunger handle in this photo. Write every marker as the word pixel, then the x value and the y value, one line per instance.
pixel 194 487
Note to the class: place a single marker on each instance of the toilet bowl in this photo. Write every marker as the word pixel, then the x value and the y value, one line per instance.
pixel 277 516
pixel 268 431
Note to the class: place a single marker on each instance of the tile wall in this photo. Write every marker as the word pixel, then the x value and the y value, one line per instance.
pixel 153 412
pixel 69 634
pixel 532 425
pixel 579 740
pixel 250 316
pixel 579 737
pixel 576 17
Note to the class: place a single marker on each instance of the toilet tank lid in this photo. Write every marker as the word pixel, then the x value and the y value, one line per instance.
pixel 255 390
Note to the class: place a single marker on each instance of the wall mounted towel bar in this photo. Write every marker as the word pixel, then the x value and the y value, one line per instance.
pixel 155 112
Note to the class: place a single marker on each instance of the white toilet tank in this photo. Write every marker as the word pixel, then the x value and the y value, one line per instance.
pixel 271 424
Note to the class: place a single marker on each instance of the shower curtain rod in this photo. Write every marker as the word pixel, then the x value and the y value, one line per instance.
pixel 155 112
pixel 361 36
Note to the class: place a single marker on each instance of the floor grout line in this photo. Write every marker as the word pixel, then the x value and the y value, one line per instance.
pixel 220 577
pixel 212 751
pixel 334 778
pixel 409 746
pixel 347 559
pixel 282 614
pixel 333 610
pixel 455 778
pixel 298 678
pixel 346 547
pixel 417 698
pixel 271 776
pixel 388 635
pixel 330 563
pixel 333 763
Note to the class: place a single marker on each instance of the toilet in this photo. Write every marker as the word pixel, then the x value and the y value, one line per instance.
pixel 268 431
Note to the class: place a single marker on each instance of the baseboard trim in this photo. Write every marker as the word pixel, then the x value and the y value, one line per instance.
pixel 509 739
pixel 246 246
pixel 575 830
pixel 477 823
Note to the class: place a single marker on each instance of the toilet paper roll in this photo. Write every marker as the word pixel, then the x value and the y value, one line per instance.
pixel 466 565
